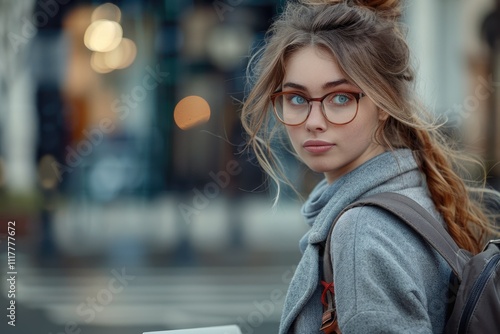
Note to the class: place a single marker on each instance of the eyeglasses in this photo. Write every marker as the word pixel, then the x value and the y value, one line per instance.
pixel 293 108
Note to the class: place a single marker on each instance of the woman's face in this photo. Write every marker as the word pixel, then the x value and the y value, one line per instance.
pixel 325 147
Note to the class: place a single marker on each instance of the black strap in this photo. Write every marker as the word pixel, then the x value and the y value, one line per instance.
pixel 416 217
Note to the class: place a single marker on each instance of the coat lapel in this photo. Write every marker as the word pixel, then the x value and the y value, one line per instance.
pixel 301 288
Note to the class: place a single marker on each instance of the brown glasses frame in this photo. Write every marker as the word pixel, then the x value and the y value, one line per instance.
pixel 310 100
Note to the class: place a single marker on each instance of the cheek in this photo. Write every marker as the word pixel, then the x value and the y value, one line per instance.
pixel 361 129
pixel 294 135
pixel 371 117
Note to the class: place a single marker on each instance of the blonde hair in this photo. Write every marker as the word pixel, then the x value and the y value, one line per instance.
pixel 369 45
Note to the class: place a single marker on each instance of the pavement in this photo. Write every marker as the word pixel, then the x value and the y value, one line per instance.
pixel 131 267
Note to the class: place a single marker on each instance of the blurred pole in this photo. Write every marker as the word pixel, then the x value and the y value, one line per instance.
pixel 17 121
pixel 491 32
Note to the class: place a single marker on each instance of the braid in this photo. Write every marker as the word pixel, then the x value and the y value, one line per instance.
pixel 464 218
pixel 464 213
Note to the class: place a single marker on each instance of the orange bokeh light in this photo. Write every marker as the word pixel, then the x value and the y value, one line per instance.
pixel 191 111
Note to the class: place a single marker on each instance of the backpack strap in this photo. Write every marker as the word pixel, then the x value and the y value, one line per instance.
pixel 416 217
pixel 413 215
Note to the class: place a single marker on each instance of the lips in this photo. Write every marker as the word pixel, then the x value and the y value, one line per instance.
pixel 317 146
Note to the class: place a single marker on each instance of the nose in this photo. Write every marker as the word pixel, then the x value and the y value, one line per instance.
pixel 316 120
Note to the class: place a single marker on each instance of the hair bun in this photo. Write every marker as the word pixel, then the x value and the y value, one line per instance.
pixel 389 9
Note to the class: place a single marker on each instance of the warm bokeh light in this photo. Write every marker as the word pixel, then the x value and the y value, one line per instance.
pixel 122 56
pixel 98 63
pixel 107 11
pixel 47 173
pixel 103 35
pixel 191 111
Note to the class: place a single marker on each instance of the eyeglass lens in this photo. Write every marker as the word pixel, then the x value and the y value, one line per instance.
pixel 338 108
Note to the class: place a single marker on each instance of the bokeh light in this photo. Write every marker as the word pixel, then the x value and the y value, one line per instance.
pixel 122 56
pixel 103 35
pixel 107 11
pixel 98 63
pixel 191 111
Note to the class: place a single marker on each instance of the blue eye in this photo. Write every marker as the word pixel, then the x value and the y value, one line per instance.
pixel 297 99
pixel 341 99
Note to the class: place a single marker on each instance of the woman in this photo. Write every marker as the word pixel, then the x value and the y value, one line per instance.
pixel 336 77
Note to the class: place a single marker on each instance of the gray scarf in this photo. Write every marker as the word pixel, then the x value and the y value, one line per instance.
pixel 389 171
pixel 326 201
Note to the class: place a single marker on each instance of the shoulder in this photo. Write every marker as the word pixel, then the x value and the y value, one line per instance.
pixel 380 263
pixel 368 220
pixel 370 223
pixel 369 228
pixel 368 232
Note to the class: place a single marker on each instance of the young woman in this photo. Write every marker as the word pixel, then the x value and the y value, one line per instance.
pixel 336 77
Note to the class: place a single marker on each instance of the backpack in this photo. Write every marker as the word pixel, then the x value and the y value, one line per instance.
pixel 476 308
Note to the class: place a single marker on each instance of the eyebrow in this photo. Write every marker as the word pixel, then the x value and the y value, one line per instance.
pixel 327 85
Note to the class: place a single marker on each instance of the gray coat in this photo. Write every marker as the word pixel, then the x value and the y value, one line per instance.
pixel 387 280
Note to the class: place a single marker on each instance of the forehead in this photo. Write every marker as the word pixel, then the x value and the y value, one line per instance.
pixel 311 67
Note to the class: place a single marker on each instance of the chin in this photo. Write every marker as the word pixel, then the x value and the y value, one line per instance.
pixel 319 168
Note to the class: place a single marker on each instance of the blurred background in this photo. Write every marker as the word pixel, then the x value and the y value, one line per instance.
pixel 120 164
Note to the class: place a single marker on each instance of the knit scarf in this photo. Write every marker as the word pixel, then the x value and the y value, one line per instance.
pixel 326 200
pixel 389 171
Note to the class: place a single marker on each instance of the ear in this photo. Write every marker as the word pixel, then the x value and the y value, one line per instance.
pixel 382 115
